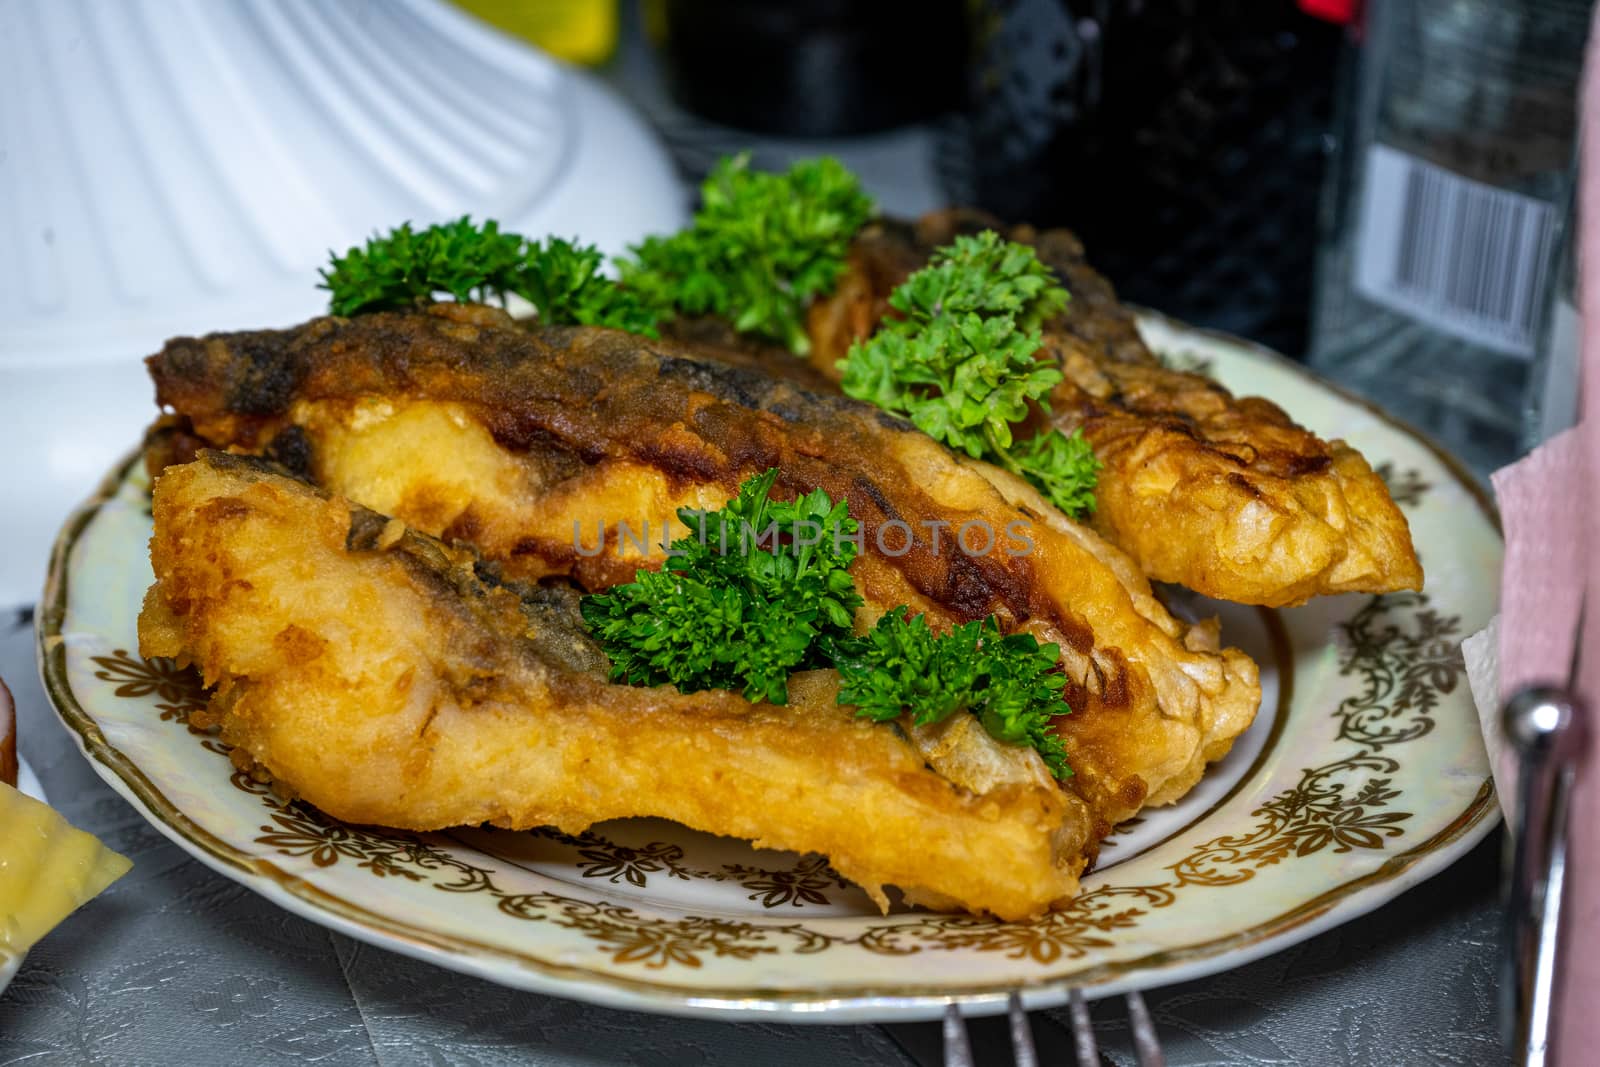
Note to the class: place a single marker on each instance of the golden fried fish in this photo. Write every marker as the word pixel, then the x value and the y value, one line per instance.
pixel 534 446
pixel 392 680
pixel 1223 494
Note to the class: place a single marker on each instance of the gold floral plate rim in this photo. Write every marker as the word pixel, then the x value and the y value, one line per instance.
pixel 1335 905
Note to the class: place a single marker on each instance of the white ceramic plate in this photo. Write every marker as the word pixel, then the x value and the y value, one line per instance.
pixel 1363 775
pixel 28 782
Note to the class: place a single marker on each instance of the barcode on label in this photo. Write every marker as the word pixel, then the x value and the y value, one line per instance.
pixel 1466 258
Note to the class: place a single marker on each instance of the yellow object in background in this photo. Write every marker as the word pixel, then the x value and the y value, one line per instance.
pixel 582 31
pixel 48 869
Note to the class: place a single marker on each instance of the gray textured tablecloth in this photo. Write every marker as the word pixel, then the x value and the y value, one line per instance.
pixel 177 965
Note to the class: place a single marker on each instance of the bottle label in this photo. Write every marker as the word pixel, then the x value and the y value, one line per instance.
pixel 1467 258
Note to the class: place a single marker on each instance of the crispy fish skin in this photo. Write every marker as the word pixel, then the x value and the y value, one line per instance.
pixel 1223 494
pixel 376 673
pixel 522 443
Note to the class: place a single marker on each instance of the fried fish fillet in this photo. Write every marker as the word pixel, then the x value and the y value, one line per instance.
pixel 536 446
pixel 1223 494
pixel 389 679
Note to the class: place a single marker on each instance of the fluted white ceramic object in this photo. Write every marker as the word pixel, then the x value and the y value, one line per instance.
pixel 181 166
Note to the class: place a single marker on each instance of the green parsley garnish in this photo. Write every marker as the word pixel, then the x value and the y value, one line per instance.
pixel 983 275
pixel 961 362
pixel 760 589
pixel 1062 466
pixel 408 268
pixel 760 248
pixel 1011 682
pixel 562 280
pixel 757 591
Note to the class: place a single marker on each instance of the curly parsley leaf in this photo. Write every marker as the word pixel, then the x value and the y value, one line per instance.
pixel 759 589
pixel 562 280
pixel 1064 468
pixel 962 380
pixel 1010 682
pixel 760 248
pixel 986 275
pixel 961 362
pixel 408 268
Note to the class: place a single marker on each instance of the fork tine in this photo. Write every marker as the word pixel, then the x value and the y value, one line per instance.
pixel 1022 1049
pixel 1083 1031
pixel 957 1051
pixel 1145 1042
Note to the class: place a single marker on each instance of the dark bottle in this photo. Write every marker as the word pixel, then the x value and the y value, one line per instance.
pixel 813 68
pixel 1184 140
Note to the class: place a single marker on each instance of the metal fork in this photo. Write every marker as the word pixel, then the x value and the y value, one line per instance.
pixel 958 1049
pixel 1547 727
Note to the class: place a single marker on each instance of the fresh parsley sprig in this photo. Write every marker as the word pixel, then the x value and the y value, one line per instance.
pixel 1063 467
pixel 780 550
pixel 760 248
pixel 961 362
pixel 761 588
pixel 961 378
pixel 562 280
pixel 407 268
pixel 758 590
pixel 986 275
pixel 1010 682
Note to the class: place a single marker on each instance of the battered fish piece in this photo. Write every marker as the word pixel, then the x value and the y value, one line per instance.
pixel 391 680
pixel 1225 495
pixel 531 445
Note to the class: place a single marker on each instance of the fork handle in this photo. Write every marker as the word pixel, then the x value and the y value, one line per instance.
pixel 1547 728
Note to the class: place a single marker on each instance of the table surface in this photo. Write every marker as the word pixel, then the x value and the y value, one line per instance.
pixel 175 964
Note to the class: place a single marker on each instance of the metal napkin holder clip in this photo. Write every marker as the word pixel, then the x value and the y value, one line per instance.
pixel 1548 728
